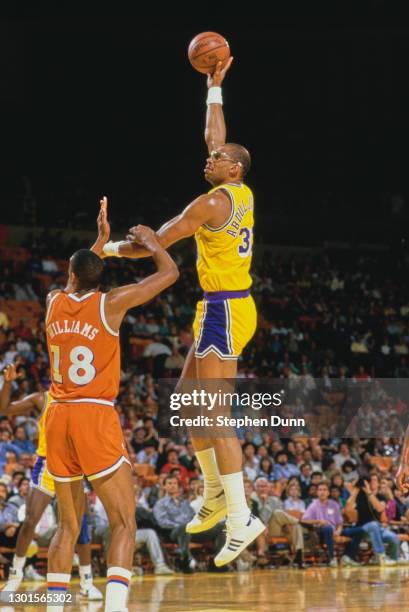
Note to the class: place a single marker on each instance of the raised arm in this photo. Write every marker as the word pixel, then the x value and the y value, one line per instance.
pixel 208 208
pixel 121 299
pixel 32 402
pixel 215 130
pixel 402 474
pixel 104 229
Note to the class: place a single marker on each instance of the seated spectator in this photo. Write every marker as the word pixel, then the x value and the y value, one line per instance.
pixel 20 499
pixel 337 480
pixel 305 477
pixel 282 469
pixel 369 506
pixel 20 440
pixel 6 446
pixel 265 468
pixel 148 454
pixel 172 463
pixel 293 503
pixel 172 513
pixel 251 461
pixel 325 514
pixel 174 362
pixel 271 512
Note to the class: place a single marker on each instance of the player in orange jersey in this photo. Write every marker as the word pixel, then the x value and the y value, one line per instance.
pixel 42 493
pixel 83 432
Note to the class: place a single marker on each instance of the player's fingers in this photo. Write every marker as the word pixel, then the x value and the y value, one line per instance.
pixel 227 66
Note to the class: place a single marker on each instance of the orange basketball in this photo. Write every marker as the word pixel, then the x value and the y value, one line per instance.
pixel 206 49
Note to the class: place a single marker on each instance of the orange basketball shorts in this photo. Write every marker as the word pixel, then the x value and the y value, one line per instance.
pixel 83 439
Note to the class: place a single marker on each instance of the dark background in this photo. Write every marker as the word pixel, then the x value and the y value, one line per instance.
pixel 104 101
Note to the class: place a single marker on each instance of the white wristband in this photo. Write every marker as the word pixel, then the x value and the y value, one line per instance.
pixel 214 96
pixel 111 249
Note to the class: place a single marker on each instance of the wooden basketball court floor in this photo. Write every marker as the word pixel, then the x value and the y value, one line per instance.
pixel 281 590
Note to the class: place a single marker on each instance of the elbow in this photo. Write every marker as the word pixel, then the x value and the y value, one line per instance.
pixel 176 273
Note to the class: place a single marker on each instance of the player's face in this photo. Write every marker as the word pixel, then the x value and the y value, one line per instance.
pixel 220 167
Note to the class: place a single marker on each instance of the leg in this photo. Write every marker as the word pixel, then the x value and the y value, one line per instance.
pixel 37 502
pixel 352 548
pixel 180 535
pixel 87 588
pixel 214 505
pixel 327 536
pixel 117 496
pixel 228 450
pixel 70 497
pixel 392 540
pixel 150 538
pixel 374 531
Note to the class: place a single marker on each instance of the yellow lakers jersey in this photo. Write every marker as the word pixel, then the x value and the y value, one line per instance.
pixel 42 447
pixel 224 253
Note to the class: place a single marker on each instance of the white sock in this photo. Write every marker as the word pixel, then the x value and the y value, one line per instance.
pixel 238 511
pixel 210 471
pixel 85 574
pixel 116 594
pixel 19 563
pixel 57 583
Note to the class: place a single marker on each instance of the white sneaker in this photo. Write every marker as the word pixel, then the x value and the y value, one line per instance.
pixel 242 566
pixel 90 592
pixel 75 560
pixel 212 511
pixel 345 561
pixel 333 562
pixel 163 570
pixel 403 561
pixel 30 573
pixel 14 580
pixel 237 539
pixel 384 560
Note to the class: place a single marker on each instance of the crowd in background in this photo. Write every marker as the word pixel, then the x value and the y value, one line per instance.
pixel 323 316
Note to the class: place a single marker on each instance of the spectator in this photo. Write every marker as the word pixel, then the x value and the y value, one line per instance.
pixel 271 512
pixel 325 514
pixel 21 441
pixel 282 469
pixel 172 513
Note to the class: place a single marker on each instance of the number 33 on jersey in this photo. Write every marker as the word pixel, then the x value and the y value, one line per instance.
pixel 85 352
pixel 224 253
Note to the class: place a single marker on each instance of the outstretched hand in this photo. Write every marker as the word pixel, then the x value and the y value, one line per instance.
pixel 104 229
pixel 10 373
pixel 143 236
pixel 217 77
pixel 402 479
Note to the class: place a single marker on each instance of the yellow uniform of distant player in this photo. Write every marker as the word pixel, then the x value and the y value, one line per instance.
pixel 226 318
pixel 41 478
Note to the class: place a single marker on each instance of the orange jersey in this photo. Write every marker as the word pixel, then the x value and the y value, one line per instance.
pixel 84 351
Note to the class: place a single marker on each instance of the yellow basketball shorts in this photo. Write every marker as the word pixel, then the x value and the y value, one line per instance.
pixel 41 478
pixel 225 322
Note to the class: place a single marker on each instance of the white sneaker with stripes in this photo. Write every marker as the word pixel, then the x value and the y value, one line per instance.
pixel 212 511
pixel 237 539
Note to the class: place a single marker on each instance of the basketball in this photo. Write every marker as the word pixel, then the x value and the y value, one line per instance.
pixel 206 49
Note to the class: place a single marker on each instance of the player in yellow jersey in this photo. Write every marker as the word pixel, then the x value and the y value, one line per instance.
pixel 42 492
pixel 222 223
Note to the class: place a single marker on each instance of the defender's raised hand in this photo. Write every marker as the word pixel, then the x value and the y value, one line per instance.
pixel 217 77
pixel 144 236
pixel 10 373
pixel 104 229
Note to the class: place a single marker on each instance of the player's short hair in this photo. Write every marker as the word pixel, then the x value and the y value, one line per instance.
pixel 240 155
pixel 323 483
pixel 88 268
